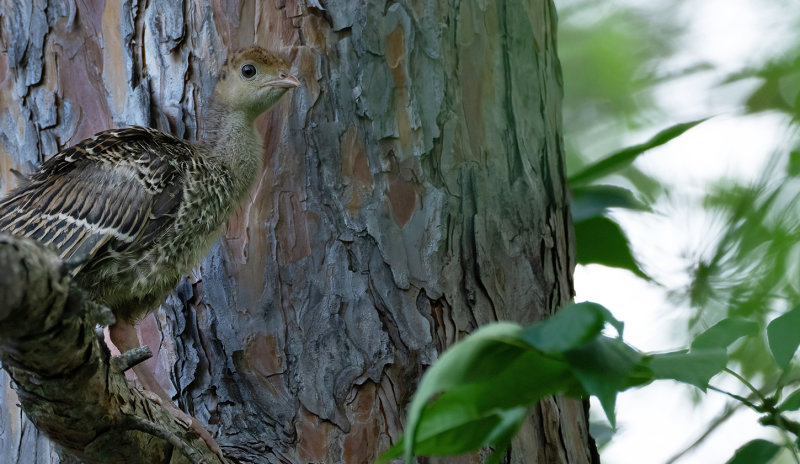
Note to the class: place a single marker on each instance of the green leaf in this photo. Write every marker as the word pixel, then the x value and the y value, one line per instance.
pixel 725 332
pixel 601 241
pixel 469 436
pixel 694 367
pixel 505 433
pixel 594 200
pixel 793 168
pixel 497 427
pixel 605 367
pixel 646 186
pixel 791 403
pixel 468 415
pixel 482 383
pixel 624 157
pixel 394 452
pixel 482 355
pixel 570 327
pixel 755 452
pixel 783 334
pixel 525 381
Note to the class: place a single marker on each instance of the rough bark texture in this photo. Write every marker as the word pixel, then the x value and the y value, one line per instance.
pixel 413 190
pixel 62 372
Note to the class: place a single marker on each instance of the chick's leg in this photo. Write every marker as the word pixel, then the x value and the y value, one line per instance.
pixel 124 336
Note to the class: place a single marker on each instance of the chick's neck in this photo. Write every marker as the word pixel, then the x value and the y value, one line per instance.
pixel 230 138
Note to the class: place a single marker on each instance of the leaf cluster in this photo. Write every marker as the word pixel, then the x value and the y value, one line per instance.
pixel 479 392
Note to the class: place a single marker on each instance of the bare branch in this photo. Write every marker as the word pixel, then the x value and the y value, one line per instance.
pixel 62 370
pixel 130 358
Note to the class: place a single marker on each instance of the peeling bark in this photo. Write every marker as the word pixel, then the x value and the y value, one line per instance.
pixel 413 190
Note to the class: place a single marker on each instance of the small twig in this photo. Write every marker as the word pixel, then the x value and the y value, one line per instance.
pixel 718 421
pixel 738 398
pixel 793 449
pixel 747 384
pixel 149 427
pixel 130 358
pixel 723 417
pixel 789 442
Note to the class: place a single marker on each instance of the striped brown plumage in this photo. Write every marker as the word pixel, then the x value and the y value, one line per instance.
pixel 138 208
pixel 117 201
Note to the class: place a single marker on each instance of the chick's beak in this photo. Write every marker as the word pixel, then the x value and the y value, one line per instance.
pixel 288 82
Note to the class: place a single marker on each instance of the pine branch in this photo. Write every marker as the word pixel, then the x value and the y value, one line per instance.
pixel 63 374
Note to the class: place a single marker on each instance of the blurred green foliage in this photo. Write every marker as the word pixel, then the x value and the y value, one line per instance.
pixel 751 269
pixel 611 56
pixel 600 239
pixel 748 268
pixel 778 85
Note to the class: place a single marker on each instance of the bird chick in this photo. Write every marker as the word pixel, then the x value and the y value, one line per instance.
pixel 139 208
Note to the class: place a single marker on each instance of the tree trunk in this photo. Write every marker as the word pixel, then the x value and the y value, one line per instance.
pixel 413 190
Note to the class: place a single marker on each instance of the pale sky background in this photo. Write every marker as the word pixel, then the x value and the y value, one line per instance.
pixel 658 421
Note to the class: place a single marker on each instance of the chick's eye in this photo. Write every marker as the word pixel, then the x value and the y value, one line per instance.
pixel 248 71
